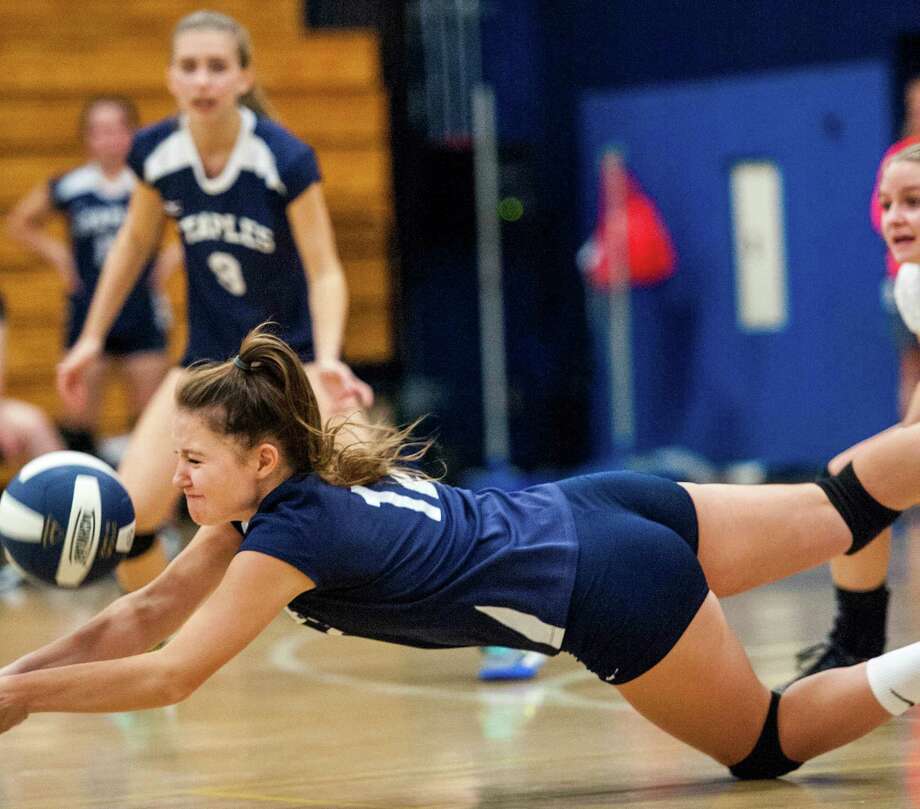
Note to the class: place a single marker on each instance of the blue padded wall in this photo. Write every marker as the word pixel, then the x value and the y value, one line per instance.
pixel 796 396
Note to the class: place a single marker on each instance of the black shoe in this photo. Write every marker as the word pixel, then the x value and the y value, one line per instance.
pixel 828 654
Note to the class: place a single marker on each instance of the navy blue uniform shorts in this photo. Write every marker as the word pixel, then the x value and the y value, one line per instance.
pixel 638 584
pixel 134 332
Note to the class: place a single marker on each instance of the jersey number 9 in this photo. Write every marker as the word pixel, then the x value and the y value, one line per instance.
pixel 228 272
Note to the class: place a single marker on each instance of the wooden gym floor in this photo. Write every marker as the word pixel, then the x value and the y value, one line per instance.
pixel 302 720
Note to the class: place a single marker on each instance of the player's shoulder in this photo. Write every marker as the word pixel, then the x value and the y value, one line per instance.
pixel 160 149
pixel 149 137
pixel 283 143
pixel 77 182
pixel 298 494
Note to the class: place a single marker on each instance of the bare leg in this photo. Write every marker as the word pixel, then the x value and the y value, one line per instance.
pixel 865 570
pixel 868 569
pixel 750 535
pixel 146 470
pixel 145 372
pixel 705 693
pixel 148 462
pixel 813 710
pixel 888 466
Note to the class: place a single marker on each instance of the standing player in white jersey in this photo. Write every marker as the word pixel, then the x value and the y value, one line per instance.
pixel 248 200
pixel 94 198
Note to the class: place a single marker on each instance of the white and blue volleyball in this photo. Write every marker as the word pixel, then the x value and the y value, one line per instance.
pixel 66 519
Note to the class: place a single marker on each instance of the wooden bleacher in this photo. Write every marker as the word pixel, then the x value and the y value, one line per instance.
pixel 325 87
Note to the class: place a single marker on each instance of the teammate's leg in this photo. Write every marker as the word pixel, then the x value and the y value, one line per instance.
pixel 144 372
pixel 860 580
pixel 146 470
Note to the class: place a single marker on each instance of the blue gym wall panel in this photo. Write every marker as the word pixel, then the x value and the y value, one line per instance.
pixel 796 396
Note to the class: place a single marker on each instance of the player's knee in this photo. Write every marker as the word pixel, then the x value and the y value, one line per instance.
pixel 767 759
pixel 864 515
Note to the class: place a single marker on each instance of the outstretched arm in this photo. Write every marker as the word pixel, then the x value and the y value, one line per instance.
pixel 137 621
pixel 253 590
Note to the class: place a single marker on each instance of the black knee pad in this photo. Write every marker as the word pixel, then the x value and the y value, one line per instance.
pixel 863 514
pixel 767 759
pixel 142 543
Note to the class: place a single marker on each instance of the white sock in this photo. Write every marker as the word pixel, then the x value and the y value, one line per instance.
pixel 894 678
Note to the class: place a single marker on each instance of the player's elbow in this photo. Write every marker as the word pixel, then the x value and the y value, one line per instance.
pixel 133 616
pixel 175 690
pixel 179 674
pixel 176 683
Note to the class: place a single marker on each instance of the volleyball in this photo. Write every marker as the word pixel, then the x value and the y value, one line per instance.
pixel 66 519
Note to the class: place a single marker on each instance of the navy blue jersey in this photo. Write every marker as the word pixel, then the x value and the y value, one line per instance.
pixel 243 266
pixel 424 564
pixel 95 207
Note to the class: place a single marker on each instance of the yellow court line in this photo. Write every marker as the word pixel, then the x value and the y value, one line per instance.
pixel 253 796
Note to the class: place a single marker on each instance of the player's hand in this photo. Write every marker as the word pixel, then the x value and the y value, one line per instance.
pixel 71 380
pixel 344 389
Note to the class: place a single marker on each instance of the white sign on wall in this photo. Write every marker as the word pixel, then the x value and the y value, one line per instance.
pixel 760 246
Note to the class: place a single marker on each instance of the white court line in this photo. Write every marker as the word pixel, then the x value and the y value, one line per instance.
pixel 287 655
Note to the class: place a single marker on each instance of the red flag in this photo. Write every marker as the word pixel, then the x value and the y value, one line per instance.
pixel 649 254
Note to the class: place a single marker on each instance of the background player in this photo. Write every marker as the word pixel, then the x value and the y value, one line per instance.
pixel 94 198
pixel 621 570
pixel 860 580
pixel 248 200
